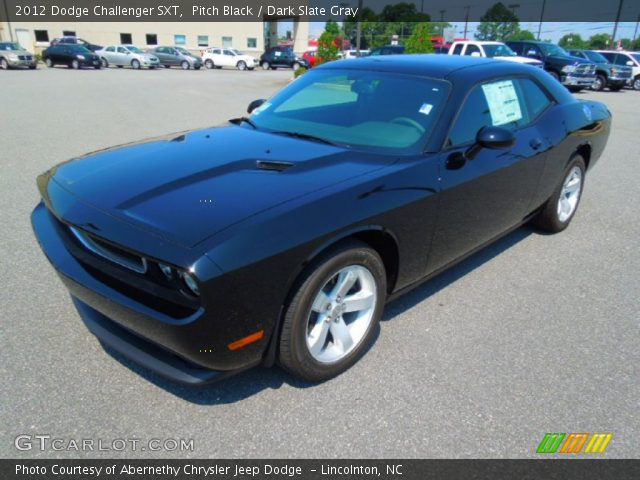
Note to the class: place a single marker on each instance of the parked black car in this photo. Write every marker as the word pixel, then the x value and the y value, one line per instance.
pixel 607 74
pixel 69 40
pixel 282 235
pixel 387 50
pixel 281 56
pixel 177 57
pixel 573 72
pixel 73 56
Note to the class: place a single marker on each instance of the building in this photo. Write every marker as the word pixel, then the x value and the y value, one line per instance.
pixel 247 37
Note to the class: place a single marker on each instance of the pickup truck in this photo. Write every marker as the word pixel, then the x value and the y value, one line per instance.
pixel 490 50
pixel 607 73
pixel 625 59
pixel 573 72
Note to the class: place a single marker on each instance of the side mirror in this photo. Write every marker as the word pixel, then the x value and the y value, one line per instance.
pixel 491 137
pixel 255 104
pixel 533 54
pixel 630 64
pixel 475 54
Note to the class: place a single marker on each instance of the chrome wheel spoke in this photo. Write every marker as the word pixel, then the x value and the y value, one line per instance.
pixel 359 301
pixel 345 282
pixel 341 334
pixel 321 302
pixel 570 194
pixel 317 338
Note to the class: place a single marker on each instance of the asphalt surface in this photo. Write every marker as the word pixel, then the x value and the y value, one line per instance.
pixel 534 334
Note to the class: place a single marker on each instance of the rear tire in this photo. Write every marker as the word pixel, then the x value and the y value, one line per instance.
pixel 326 329
pixel 558 211
pixel 104 62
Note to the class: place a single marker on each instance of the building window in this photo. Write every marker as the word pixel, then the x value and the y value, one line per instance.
pixel 126 38
pixel 227 41
pixel 180 39
pixel 41 35
pixel 152 39
pixel 203 40
pixel 68 33
pixel 252 43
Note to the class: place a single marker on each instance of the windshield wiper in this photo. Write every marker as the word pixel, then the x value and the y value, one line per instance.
pixel 238 121
pixel 306 136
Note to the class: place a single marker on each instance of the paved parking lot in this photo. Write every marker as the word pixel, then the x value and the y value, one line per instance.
pixel 535 334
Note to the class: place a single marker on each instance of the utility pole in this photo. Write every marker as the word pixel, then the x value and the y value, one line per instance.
pixel 635 32
pixel 615 26
pixel 359 26
pixel 466 20
pixel 6 10
pixel 544 2
pixel 442 22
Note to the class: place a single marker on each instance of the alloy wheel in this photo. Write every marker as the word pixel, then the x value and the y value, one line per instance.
pixel 570 194
pixel 341 314
pixel 4 65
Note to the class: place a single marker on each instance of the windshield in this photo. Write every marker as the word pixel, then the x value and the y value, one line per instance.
pixel 184 51
pixel 374 110
pixel 636 57
pixel 493 50
pixel 133 49
pixel 78 49
pixel 595 57
pixel 10 46
pixel 235 52
pixel 551 49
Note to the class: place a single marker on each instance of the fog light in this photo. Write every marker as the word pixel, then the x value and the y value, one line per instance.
pixel 191 283
pixel 167 270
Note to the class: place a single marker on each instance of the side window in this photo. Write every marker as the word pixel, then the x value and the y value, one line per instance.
pixel 621 59
pixel 111 49
pixel 497 103
pixel 609 56
pixel 216 51
pixel 457 50
pixel 536 99
pixel 471 49
pixel 121 50
pixel 228 53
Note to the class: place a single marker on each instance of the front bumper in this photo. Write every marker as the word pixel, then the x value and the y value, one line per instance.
pixel 21 63
pixel 572 80
pixel 190 350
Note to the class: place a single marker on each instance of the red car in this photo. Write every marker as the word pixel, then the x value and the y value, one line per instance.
pixel 310 57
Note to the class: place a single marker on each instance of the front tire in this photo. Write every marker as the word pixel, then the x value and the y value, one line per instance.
pixel 636 83
pixel 75 64
pixel 135 64
pixel 209 64
pixel 4 65
pixel 295 66
pixel 265 65
pixel 104 62
pixel 558 211
pixel 554 75
pixel 599 83
pixel 241 65
pixel 48 62
pixel 334 313
pixel 185 65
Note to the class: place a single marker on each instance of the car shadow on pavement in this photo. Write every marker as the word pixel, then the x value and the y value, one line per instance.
pixel 251 382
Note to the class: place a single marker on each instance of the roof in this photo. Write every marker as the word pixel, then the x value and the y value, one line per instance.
pixel 432 65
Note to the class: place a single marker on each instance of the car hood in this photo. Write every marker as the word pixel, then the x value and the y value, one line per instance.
pixel 518 59
pixel 569 58
pixel 187 187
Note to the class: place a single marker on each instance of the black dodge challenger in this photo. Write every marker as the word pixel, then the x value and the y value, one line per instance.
pixel 280 236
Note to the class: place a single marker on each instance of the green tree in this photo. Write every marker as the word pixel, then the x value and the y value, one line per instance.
pixel 521 35
pixel 498 23
pixel 573 40
pixel 327 43
pixel 420 39
pixel 599 41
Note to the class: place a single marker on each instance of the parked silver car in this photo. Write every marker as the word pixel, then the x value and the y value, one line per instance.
pixel 177 57
pixel 127 56
pixel 13 55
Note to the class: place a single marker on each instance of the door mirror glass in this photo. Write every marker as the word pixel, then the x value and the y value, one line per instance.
pixel 490 137
pixel 255 104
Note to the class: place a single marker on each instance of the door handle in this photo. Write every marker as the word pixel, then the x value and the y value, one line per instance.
pixel 535 143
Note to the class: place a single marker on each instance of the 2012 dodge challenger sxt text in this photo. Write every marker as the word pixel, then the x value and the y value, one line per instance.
pixel 281 236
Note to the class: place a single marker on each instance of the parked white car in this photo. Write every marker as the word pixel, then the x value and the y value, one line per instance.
pixel 621 57
pixel 347 54
pixel 497 50
pixel 217 57
pixel 127 56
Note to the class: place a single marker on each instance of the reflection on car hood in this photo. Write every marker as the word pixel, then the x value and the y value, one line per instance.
pixel 190 186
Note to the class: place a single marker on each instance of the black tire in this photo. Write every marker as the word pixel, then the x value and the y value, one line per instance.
pixel 135 64
pixel 97 67
pixel 265 65
pixel 208 63
pixel 167 66
pixel 294 355
pixel 599 83
pixel 75 64
pixel 48 62
pixel 295 66
pixel 636 83
pixel 241 65
pixel 32 67
pixel 104 62
pixel 4 65
pixel 548 218
pixel 185 65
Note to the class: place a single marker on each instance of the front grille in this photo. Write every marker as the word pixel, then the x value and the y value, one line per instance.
pixel 585 69
pixel 110 252
pixel 25 57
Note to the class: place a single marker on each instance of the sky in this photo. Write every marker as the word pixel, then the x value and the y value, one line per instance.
pixel 550 30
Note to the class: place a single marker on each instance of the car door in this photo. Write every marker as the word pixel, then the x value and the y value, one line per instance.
pixel 228 58
pixel 109 54
pixel 173 56
pixel 216 56
pixel 484 197
pixel 122 55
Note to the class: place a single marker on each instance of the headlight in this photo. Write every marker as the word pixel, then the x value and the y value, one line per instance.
pixel 568 68
pixel 614 72
pixel 191 283
pixel 80 57
pixel 13 56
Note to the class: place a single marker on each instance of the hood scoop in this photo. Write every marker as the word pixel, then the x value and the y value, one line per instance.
pixel 273 165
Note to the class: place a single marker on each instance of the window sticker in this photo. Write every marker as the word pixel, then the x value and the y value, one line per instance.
pixel 426 108
pixel 502 99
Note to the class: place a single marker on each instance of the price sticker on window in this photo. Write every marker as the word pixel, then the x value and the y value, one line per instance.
pixel 503 102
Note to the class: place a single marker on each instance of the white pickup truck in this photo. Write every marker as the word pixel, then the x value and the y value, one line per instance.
pixel 491 50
